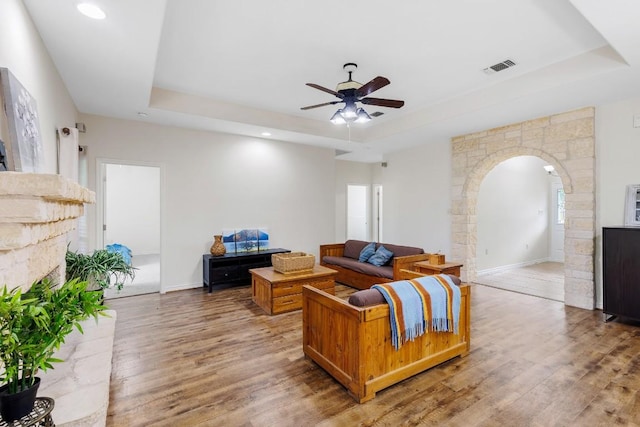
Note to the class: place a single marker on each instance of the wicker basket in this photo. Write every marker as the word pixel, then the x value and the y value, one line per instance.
pixel 293 262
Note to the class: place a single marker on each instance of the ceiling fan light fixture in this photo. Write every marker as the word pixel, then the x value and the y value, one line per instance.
pixel 350 111
pixel 351 93
pixel 337 118
pixel 363 117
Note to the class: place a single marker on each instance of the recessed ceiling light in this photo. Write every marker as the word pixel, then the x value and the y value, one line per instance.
pixel 142 114
pixel 266 134
pixel 91 10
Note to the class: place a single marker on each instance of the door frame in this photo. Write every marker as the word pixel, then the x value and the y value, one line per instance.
pixel 377 210
pixel 101 163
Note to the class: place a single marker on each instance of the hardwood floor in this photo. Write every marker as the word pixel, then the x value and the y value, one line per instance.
pixel 190 358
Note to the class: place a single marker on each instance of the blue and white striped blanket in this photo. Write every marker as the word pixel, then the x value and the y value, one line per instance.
pixel 422 304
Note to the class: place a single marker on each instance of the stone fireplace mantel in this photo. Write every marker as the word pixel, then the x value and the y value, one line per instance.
pixel 36 213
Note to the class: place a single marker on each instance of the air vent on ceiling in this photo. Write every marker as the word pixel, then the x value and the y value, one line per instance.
pixel 376 114
pixel 507 63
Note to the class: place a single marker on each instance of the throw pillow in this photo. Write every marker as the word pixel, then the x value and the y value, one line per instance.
pixel 381 257
pixel 367 251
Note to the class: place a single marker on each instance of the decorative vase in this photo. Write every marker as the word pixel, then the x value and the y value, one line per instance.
pixel 218 249
pixel 17 405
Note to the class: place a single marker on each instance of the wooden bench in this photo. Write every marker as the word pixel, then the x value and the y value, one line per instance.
pixel 353 344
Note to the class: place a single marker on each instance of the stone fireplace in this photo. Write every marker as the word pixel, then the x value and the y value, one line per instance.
pixel 36 213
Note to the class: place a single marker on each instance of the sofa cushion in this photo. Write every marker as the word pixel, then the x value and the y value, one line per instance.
pixel 352 248
pixel 366 297
pixel 367 251
pixel 381 257
pixel 360 267
pixel 455 279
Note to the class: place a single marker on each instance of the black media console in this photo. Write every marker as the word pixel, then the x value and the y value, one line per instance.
pixel 234 268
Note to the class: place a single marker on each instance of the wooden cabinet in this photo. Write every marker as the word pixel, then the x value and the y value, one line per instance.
pixel 621 271
pixel 234 268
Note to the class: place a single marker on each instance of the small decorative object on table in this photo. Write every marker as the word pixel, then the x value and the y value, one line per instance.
pixel 218 249
pixel 293 262
pixel 436 259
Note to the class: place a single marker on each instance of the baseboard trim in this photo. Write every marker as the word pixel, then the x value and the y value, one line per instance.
pixel 512 266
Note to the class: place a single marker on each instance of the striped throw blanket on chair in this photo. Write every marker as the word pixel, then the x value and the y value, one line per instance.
pixel 422 304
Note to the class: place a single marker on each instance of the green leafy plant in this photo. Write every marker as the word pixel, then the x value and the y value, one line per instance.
pixel 102 269
pixel 34 324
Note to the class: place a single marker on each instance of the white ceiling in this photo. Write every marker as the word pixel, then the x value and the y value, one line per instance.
pixel 241 66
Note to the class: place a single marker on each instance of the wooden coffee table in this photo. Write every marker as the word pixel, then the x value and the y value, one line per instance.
pixel 279 293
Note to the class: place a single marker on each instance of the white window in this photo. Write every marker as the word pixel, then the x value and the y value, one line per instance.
pixel 560 207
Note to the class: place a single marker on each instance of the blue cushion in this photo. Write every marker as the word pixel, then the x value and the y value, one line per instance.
pixel 381 257
pixel 367 251
pixel 122 249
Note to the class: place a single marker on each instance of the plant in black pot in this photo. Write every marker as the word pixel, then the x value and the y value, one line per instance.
pixel 32 327
pixel 102 269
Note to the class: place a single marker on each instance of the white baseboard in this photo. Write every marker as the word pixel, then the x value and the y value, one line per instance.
pixel 512 266
pixel 181 287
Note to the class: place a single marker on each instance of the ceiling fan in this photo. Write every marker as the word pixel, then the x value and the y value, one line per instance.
pixel 351 92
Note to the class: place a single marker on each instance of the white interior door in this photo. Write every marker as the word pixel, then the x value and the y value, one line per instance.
pixel 357 208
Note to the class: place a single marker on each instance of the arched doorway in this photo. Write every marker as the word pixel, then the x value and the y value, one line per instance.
pixel 565 141
pixel 520 236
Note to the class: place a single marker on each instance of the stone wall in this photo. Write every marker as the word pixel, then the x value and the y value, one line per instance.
pixel 566 141
pixel 36 213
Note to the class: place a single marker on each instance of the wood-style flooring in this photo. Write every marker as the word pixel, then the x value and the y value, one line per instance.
pixel 190 358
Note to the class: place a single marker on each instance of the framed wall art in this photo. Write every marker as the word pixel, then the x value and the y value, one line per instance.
pixel 632 206
pixel 245 239
pixel 24 143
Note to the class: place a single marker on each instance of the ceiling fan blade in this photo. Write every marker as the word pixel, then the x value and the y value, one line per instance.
pixel 320 105
pixel 391 103
pixel 324 89
pixel 372 86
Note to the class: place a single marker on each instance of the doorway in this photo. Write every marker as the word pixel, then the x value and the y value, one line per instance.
pixel 357 209
pixel 130 209
pixel 518 217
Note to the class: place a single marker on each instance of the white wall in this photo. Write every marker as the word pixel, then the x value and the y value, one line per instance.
pixel 417 196
pixel 513 214
pixel 215 181
pixel 617 165
pixel 133 207
pixel 24 54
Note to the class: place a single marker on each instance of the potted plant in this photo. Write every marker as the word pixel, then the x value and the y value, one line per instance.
pixel 102 269
pixel 32 327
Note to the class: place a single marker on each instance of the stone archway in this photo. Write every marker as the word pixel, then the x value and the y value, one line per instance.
pixel 565 141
